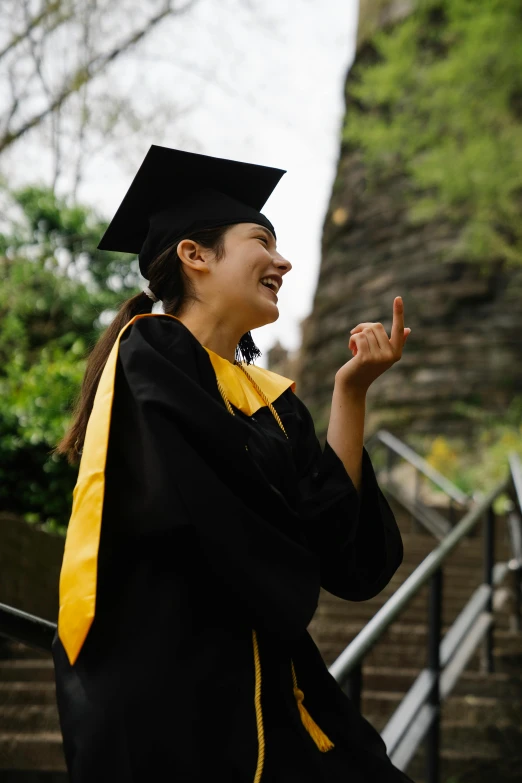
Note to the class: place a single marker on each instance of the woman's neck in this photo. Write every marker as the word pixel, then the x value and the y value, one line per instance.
pixel 214 333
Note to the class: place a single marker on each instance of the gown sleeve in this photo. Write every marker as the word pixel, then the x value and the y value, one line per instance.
pixel 355 534
pixel 179 471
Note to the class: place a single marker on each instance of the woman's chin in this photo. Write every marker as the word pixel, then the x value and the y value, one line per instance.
pixel 257 312
pixel 265 317
pixel 271 313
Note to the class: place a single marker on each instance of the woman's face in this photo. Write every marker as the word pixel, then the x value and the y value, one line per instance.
pixel 231 286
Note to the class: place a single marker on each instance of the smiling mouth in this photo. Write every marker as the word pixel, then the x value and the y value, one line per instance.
pixel 270 290
pixel 272 282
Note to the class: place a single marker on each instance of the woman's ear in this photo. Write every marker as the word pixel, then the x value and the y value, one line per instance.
pixel 192 254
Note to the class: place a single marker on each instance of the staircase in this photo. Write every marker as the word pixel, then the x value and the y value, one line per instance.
pixel 30 738
pixel 481 721
pixel 481 736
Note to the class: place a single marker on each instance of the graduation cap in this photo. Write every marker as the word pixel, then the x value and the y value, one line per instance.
pixel 176 193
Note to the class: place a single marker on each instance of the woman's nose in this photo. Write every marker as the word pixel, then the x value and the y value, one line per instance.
pixel 282 264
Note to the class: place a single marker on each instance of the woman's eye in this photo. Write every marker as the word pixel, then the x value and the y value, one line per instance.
pixel 264 239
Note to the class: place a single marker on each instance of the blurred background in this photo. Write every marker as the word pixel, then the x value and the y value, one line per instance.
pixel 399 123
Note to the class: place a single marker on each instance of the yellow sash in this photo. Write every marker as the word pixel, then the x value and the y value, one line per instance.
pixel 79 567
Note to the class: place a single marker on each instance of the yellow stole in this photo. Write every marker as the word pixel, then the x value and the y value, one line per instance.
pixel 78 575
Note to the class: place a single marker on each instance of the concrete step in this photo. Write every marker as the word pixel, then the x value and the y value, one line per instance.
pixel 30 692
pixel 458 585
pixel 470 549
pixel 475 712
pixel 32 776
pixel 455 598
pixel 500 736
pixel 472 683
pixel 471 560
pixel 469 552
pixel 408 655
pixel 38 751
pixel 30 718
pixel 340 613
pixel 9 649
pixel 465 581
pixel 338 609
pixel 324 623
pixel 409 633
pixel 481 765
pixel 27 669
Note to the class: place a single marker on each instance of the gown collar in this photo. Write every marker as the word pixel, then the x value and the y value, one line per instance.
pixel 239 390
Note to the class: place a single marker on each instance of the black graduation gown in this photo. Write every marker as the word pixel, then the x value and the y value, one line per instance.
pixel 214 525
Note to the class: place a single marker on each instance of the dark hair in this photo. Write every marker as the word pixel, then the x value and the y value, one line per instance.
pixel 170 284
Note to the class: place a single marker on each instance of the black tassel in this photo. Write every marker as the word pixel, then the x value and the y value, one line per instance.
pixel 247 351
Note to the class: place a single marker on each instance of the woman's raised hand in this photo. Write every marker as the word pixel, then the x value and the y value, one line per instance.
pixel 373 352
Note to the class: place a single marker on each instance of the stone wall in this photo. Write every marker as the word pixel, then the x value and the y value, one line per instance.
pixel 465 345
pixel 374 14
pixel 30 563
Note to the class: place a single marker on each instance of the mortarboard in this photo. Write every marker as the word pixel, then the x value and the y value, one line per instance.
pixel 176 193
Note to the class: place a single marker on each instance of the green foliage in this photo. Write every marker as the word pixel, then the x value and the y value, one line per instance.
pixel 479 466
pixel 57 290
pixel 65 237
pixel 443 104
pixel 34 412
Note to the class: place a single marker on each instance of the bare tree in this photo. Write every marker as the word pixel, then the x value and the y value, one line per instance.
pixel 51 51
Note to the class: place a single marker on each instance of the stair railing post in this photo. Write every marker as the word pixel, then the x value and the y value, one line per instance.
pixel 432 742
pixel 353 686
pixel 515 564
pixel 489 560
pixel 517 589
pixel 414 525
pixel 451 511
pixel 389 464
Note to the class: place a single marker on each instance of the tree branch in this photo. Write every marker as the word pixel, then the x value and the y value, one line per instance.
pixel 89 71
pixel 36 54
pixel 37 60
pixel 83 116
pixel 49 8
pixel 16 95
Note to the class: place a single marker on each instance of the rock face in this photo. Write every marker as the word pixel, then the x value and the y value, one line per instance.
pixel 374 14
pixel 465 345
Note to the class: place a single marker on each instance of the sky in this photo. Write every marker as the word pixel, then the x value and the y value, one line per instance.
pixel 247 80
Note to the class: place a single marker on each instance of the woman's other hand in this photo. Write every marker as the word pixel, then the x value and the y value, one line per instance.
pixel 373 352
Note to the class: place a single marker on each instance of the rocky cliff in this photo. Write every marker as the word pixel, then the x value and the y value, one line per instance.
pixel 466 318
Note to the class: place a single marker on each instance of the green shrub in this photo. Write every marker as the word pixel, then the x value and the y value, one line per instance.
pixel 443 105
pixel 57 291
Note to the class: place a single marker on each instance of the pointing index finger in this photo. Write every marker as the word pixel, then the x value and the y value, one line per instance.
pixel 397 332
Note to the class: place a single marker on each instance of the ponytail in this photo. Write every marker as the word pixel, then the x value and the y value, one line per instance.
pixel 72 443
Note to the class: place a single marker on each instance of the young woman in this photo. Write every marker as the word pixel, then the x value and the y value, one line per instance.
pixel 206 516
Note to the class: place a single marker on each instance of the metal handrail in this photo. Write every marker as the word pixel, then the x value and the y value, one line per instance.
pixel 26 628
pixel 417 717
pixel 515 466
pixel 381 621
pixel 429 518
pixel 419 463
pixel 515 533
pixel 515 521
